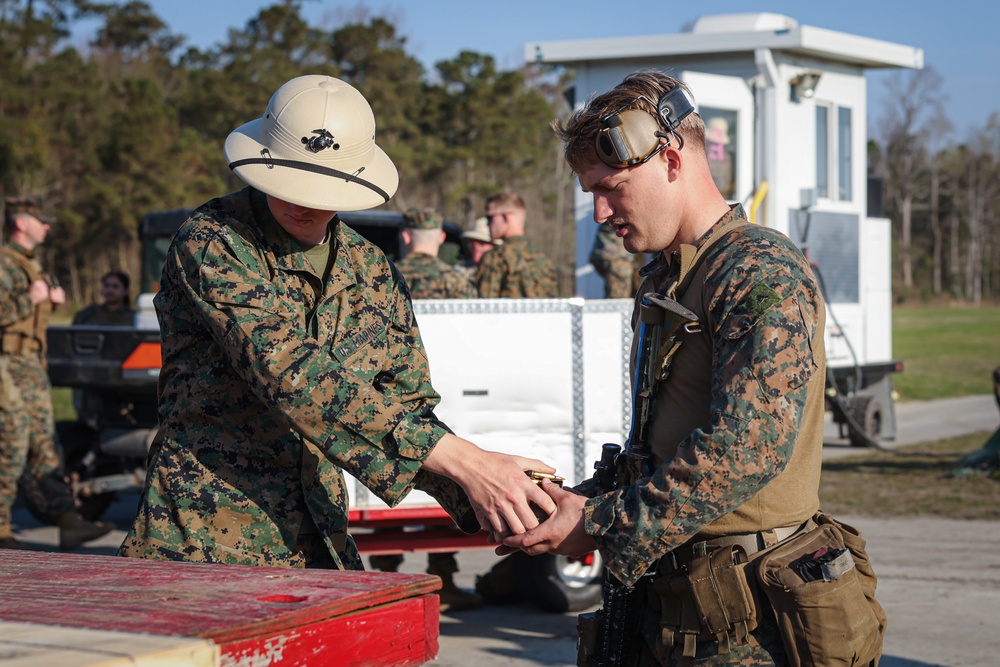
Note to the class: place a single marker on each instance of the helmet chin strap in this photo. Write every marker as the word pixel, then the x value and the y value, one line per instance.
pixel 270 163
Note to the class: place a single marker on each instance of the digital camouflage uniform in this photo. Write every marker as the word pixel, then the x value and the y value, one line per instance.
pixel 737 428
pixel 613 263
pixel 515 270
pixel 28 442
pixel 273 382
pixel 430 278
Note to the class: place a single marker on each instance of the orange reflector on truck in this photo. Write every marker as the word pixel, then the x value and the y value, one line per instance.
pixel 143 357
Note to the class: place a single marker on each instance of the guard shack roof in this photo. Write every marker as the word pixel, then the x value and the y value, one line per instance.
pixel 733 33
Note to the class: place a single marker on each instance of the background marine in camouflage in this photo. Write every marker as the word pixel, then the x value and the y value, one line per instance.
pixel 427 276
pixel 291 354
pixel 614 263
pixel 513 270
pixel 30 456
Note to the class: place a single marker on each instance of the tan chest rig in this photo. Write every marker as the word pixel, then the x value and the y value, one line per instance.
pixel 27 336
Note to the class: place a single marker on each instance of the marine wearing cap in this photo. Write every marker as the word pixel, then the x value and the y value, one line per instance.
pixel 30 204
pixel 480 231
pixel 415 218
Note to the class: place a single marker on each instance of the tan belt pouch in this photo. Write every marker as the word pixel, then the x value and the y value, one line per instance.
pixel 822 589
pixel 709 599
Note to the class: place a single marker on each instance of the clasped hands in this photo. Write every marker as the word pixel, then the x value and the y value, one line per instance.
pixel 503 497
pixel 561 533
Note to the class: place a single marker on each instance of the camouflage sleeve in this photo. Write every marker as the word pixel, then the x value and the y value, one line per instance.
pixel 489 275
pixel 765 307
pixel 15 304
pixel 226 281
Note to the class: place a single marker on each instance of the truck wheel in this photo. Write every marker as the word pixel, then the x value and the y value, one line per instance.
pixel 867 412
pixel 561 584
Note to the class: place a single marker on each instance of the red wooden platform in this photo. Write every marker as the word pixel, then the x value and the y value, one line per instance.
pixel 256 615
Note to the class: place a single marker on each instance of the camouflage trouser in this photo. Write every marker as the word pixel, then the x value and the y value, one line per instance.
pixel 28 442
pixel 438 564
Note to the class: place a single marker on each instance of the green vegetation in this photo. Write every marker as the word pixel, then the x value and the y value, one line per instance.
pixel 135 121
pixel 916 481
pixel 945 351
pixel 62 404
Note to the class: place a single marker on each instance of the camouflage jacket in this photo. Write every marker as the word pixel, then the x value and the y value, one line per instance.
pixel 614 263
pixel 742 405
pixel 258 418
pixel 516 271
pixel 22 323
pixel 430 278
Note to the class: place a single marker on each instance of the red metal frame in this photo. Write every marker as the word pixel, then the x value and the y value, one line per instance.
pixel 384 531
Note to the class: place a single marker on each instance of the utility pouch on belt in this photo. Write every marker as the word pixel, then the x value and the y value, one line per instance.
pixel 710 599
pixel 822 589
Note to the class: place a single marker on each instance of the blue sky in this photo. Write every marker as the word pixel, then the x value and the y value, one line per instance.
pixel 958 38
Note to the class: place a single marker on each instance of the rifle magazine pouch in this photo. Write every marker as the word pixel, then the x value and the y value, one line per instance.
pixel 710 599
pixel 821 604
pixel 722 596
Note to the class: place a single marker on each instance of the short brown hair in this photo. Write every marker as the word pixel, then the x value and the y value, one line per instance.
pixel 511 199
pixel 639 90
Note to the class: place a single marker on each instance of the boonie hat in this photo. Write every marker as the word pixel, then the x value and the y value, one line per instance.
pixel 32 205
pixel 416 218
pixel 315 147
pixel 480 232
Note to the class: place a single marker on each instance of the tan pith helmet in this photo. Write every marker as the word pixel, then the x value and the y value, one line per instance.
pixel 315 147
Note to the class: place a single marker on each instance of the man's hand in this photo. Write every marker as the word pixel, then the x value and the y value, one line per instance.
pixel 562 533
pixel 497 487
pixel 38 291
pixel 57 295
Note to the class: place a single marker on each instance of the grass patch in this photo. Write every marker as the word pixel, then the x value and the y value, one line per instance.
pixel 945 352
pixel 915 482
pixel 62 404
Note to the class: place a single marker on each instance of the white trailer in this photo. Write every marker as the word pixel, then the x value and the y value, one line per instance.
pixel 785 111
pixel 542 378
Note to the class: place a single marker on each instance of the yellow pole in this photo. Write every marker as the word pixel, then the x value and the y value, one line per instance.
pixel 758 199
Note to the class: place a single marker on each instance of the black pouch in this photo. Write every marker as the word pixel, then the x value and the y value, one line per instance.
pixel 822 589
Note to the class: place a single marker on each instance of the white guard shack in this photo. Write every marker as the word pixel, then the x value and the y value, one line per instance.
pixel 785 112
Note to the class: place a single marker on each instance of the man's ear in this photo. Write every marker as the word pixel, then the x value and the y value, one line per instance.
pixel 407 236
pixel 673 161
pixel 442 238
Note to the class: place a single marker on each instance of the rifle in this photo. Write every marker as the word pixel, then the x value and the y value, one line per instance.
pixel 615 626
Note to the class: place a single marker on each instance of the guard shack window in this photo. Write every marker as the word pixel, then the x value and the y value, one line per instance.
pixel 834 158
pixel 844 143
pixel 720 146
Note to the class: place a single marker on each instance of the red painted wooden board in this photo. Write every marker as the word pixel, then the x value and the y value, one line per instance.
pixel 258 615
